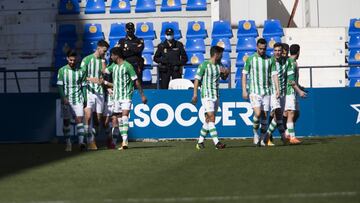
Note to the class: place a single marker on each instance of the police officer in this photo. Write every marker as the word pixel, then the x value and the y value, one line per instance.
pixel 170 56
pixel 132 49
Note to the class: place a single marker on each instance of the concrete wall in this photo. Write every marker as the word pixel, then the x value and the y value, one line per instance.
pixel 309 13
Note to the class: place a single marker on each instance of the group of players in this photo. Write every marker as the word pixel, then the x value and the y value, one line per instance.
pixel 97 94
pixel 101 94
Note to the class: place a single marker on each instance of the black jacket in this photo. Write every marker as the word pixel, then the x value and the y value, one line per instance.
pixel 171 55
pixel 132 50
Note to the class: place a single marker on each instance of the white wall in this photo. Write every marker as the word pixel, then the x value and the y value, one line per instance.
pixel 309 13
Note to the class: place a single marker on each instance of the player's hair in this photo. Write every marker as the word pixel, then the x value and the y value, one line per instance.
pixel 103 43
pixel 294 49
pixel 117 52
pixel 285 47
pixel 216 50
pixel 71 52
pixel 278 44
pixel 261 41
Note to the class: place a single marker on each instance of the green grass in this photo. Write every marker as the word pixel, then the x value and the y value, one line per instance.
pixel 319 170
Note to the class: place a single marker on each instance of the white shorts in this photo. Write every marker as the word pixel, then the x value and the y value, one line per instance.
pixel 109 109
pixel 262 102
pixel 276 103
pixel 210 105
pixel 71 110
pixel 291 103
pixel 119 106
pixel 95 102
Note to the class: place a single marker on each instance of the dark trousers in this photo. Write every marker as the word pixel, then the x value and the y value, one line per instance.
pixel 164 77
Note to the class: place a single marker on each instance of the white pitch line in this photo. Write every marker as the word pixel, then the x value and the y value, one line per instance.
pixel 219 198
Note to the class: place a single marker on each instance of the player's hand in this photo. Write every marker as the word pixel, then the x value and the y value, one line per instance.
pixel 110 91
pixel 194 99
pixel 143 99
pixel 277 94
pixel 302 94
pixel 245 95
pixel 224 72
pixel 93 80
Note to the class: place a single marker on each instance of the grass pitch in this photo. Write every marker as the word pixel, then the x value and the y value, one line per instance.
pixel 320 170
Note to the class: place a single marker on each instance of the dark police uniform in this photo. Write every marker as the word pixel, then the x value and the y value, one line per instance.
pixel 132 48
pixel 170 56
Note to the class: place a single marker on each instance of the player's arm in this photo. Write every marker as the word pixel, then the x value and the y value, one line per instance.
pixel 245 71
pixel 292 82
pixel 60 84
pixel 275 77
pixel 198 77
pixel 224 73
pixel 133 77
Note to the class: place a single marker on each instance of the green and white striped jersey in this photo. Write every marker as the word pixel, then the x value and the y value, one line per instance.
pixel 281 73
pixel 92 66
pixel 109 97
pixel 123 80
pixel 209 75
pixel 259 70
pixel 292 76
pixel 73 82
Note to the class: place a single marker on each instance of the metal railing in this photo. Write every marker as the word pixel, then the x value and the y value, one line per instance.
pixel 39 70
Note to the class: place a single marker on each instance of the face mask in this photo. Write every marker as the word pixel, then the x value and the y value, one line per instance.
pixel 169 37
pixel 130 33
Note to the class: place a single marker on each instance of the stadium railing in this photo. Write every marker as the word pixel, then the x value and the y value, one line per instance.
pixel 5 72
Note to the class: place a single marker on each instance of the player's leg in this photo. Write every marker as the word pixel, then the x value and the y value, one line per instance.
pixel 88 110
pixel 290 107
pixel 115 131
pixel 203 133
pixel 78 112
pixel 66 115
pixel 256 104
pixel 125 107
pixel 211 114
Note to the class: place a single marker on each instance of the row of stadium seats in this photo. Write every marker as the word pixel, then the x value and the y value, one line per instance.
pixel 123 6
pixel 354 52
pixel 195 44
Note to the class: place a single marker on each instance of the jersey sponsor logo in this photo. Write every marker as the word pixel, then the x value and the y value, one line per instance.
pixel 357 109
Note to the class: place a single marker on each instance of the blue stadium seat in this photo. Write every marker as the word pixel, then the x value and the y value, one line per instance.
pixel 93 32
pixel 145 6
pixel 354 42
pixel 271 41
pixel 354 27
pixel 148 60
pixel 246 44
pixel 60 61
pixel 195 45
pixel 195 58
pixel 69 7
pixel 354 82
pixel 174 26
pixel 221 29
pixel 196 5
pixel 241 58
pixel 147 77
pixel 238 84
pixel 190 72
pixel 247 28
pixel 272 28
pixel 270 52
pixel 113 42
pixel 117 31
pixel 145 30
pixel 148 47
pixel 238 74
pixel 170 5
pixel 120 6
pixel 354 72
pixel 222 42
pixel 225 60
pixel 354 57
pixel 67 32
pixel 62 46
pixel 196 29
pixel 95 7
pixel 88 47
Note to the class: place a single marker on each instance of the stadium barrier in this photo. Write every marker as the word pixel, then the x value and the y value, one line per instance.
pixel 169 114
